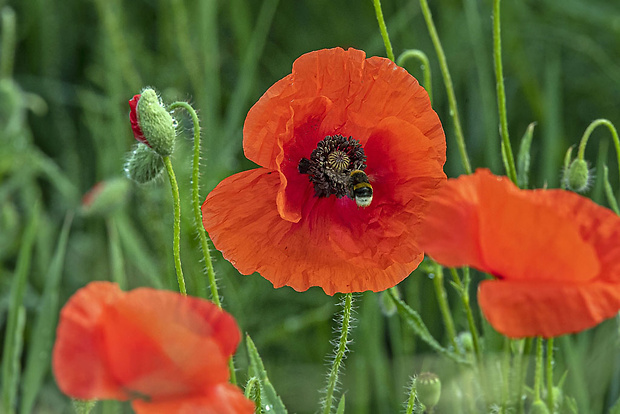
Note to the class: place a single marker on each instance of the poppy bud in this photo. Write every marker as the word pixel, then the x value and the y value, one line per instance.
pixel 428 388
pixel 578 177
pixel 388 307
pixel 466 342
pixel 143 164
pixel 105 197
pixel 539 407
pixel 151 123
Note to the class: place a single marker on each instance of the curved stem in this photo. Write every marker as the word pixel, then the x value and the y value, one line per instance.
pixel 176 246
pixel 426 67
pixel 340 353
pixel 443 64
pixel 508 158
pixel 383 28
pixel 588 132
pixel 196 201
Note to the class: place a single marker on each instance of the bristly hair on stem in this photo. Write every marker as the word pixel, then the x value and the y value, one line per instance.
pixel 345 323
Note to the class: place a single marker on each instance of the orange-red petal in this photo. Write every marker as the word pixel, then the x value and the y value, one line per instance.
pixel 221 399
pixel 241 217
pixel 553 253
pixel 362 93
pixel 147 342
pixel 79 360
pixel 527 309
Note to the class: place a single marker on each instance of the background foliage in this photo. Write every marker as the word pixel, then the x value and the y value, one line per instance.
pixel 64 127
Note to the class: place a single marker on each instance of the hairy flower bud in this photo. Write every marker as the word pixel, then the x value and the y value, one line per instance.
pixel 578 176
pixel 143 164
pixel 539 407
pixel 428 388
pixel 151 123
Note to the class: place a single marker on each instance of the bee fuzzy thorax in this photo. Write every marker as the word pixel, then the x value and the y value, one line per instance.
pixel 361 189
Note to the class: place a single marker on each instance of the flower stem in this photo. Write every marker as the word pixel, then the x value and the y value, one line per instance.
pixel 588 132
pixel 507 156
pixel 383 28
pixel 176 246
pixel 539 368
pixel 464 293
pixel 196 202
pixel 443 64
pixel 442 299
pixel 411 399
pixel 340 353
pixel 549 374
pixel 426 67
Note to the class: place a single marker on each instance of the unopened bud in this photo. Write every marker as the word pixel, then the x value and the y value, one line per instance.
pixel 539 407
pixel 143 164
pixel 428 388
pixel 151 123
pixel 578 176
pixel 105 196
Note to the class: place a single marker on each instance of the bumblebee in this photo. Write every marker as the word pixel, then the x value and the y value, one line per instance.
pixel 360 188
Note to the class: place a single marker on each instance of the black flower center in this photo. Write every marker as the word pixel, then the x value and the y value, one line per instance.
pixel 331 163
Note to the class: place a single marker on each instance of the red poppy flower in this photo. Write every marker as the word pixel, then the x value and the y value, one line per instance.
pixel 350 151
pixel 166 352
pixel 133 119
pixel 555 255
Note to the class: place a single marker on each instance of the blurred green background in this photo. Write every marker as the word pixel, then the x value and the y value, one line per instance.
pixel 71 67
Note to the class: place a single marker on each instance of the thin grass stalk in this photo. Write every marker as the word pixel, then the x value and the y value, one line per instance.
pixel 443 64
pixel 549 375
pixel 444 307
pixel 7 47
pixel 508 158
pixel 15 318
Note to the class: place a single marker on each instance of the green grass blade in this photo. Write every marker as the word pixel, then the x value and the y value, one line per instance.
pixel 269 396
pixel 414 320
pixel 341 406
pixel 523 159
pixel 40 349
pixel 12 340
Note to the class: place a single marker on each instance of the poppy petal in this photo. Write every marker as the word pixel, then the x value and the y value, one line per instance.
pixel 554 253
pixel 147 342
pixel 161 343
pixel 486 222
pixel 239 215
pixel 79 360
pixel 522 309
pixel 362 92
pixel 222 399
